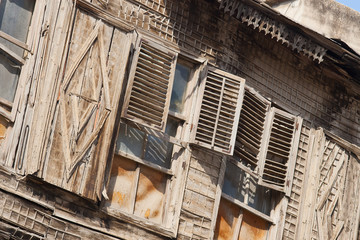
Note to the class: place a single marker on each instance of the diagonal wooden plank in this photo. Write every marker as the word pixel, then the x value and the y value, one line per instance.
pixel 80 154
pixel 326 193
pixel 82 52
pixel 65 133
pixel 105 77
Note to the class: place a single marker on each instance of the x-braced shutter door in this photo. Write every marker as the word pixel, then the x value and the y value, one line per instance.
pixel 219 111
pixel 278 165
pixel 250 140
pixel 150 85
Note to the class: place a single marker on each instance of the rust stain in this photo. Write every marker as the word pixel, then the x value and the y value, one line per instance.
pixel 118 198
pixel 253 227
pixel 122 183
pixel 226 220
pixel 3 128
pixel 150 195
pixel 147 213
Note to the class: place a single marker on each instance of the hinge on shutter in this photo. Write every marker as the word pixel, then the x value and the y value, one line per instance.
pixel 297 126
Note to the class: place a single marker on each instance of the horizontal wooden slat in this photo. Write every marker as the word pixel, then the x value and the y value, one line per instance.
pixel 149 96
pixel 219 107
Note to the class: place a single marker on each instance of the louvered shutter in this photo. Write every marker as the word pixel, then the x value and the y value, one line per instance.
pixel 219 111
pixel 250 134
pixel 278 164
pixel 150 84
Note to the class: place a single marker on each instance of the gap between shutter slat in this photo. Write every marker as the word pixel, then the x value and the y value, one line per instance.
pixel 144 113
pixel 275 163
pixel 150 70
pixel 159 54
pixel 149 91
pixel 152 77
pixel 254 100
pixel 145 103
pixel 249 143
pixel 281 133
pixel 276 171
pixel 149 83
pixel 279 146
pixel 282 181
pixel 161 65
pixel 249 131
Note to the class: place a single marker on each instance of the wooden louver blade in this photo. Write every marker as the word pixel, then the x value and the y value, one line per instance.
pixel 219 112
pixel 279 149
pixel 151 83
pixel 251 127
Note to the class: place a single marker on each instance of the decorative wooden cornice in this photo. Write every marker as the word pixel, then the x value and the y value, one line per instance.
pixel 281 32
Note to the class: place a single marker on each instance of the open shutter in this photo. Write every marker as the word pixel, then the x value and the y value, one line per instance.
pixel 150 84
pixel 219 111
pixel 278 165
pixel 250 134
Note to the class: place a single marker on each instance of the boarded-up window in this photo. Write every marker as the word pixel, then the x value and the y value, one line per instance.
pixel 15 17
pixel 150 85
pixel 219 111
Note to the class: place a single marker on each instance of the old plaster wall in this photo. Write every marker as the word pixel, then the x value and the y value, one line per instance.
pixel 327 17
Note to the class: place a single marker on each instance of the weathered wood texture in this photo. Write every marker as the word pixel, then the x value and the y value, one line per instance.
pixel 86 109
pixel 37 208
pixel 201 195
pixel 329 206
pixel 199 27
pixel 63 123
pixel 293 207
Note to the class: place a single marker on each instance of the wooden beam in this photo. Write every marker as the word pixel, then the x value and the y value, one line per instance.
pixel 13 55
pixel 14 41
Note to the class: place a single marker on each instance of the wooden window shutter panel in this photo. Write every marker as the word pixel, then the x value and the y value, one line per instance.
pixel 219 112
pixel 280 155
pixel 150 84
pixel 249 146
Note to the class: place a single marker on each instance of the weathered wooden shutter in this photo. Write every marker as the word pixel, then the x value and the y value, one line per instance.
pixel 150 85
pixel 250 134
pixel 278 165
pixel 87 104
pixel 219 111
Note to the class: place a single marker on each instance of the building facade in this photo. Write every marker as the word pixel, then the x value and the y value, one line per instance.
pixel 164 119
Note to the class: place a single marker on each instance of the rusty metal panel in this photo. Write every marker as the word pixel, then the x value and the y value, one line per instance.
pixel 227 220
pixel 253 227
pixel 150 195
pixel 122 184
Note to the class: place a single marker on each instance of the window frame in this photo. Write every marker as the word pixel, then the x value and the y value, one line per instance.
pixel 270 218
pixel 175 184
pixel 9 109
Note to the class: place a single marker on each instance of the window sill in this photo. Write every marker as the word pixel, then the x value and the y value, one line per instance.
pixel 247 208
pixel 145 163
pixel 141 222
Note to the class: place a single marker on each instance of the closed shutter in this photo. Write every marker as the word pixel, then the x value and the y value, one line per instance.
pixel 87 106
pixel 149 88
pixel 250 133
pixel 219 111
pixel 278 165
